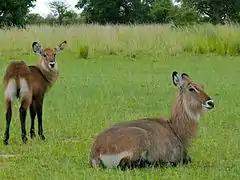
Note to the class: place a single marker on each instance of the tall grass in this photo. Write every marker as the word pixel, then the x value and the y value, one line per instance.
pixel 139 39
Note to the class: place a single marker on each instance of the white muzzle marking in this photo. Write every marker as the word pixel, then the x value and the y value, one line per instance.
pixel 52 65
pixel 208 105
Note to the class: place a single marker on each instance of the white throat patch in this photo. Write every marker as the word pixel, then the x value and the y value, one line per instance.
pixel 43 65
pixel 194 116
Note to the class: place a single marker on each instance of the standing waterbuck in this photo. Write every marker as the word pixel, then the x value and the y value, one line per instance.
pixel 29 84
pixel 149 142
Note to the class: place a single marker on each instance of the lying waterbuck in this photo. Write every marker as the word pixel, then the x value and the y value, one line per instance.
pixel 150 142
pixel 29 84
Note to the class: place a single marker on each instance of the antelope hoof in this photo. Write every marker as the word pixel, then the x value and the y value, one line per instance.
pixel 5 142
pixel 172 164
pixel 32 135
pixel 42 137
pixel 24 139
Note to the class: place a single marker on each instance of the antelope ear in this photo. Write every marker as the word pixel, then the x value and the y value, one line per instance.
pixel 177 79
pixel 185 75
pixel 61 46
pixel 37 48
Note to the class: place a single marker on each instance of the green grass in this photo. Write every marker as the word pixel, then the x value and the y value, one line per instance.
pixel 92 94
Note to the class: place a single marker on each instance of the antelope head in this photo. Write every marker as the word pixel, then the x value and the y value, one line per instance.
pixel 194 98
pixel 48 55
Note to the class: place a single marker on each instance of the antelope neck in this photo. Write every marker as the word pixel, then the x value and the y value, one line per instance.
pixel 183 121
pixel 50 76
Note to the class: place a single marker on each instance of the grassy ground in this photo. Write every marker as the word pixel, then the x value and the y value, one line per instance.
pixel 92 94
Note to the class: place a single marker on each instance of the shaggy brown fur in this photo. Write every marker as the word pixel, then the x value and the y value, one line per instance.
pixel 29 84
pixel 154 141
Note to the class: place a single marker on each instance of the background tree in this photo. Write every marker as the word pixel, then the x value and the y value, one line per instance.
pixel 71 17
pixel 114 12
pixel 14 12
pixel 161 11
pixel 216 11
pixel 59 9
pixel 51 20
pixel 34 18
pixel 183 15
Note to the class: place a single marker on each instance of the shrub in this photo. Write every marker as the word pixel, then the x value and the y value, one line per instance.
pixel 83 51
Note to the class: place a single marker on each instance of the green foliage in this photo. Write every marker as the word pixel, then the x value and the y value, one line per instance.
pixel 161 11
pixel 60 10
pixel 51 20
pixel 215 10
pixel 114 12
pixel 182 16
pixel 60 14
pixel 71 17
pixel 34 19
pixel 83 51
pixel 14 12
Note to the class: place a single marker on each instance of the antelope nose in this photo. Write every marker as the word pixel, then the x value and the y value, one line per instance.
pixel 52 64
pixel 210 103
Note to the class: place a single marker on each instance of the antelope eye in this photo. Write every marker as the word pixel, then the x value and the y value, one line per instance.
pixel 191 89
pixel 44 55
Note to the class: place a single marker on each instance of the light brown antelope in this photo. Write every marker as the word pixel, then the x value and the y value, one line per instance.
pixel 29 84
pixel 154 141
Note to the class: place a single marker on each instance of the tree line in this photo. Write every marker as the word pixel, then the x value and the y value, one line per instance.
pixel 179 12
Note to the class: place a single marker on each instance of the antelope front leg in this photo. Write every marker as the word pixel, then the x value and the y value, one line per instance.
pixel 186 158
pixel 33 114
pixel 39 105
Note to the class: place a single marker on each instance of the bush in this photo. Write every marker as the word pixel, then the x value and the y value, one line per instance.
pixel 184 16
pixel 83 51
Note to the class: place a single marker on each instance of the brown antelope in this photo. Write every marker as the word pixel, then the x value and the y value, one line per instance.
pixel 154 141
pixel 29 84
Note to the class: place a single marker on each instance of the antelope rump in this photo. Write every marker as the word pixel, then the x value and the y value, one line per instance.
pixel 150 142
pixel 29 84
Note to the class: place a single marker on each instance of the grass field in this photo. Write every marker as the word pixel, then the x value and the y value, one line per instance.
pixel 111 86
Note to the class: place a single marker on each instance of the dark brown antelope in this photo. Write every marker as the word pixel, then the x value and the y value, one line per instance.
pixel 29 84
pixel 152 142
